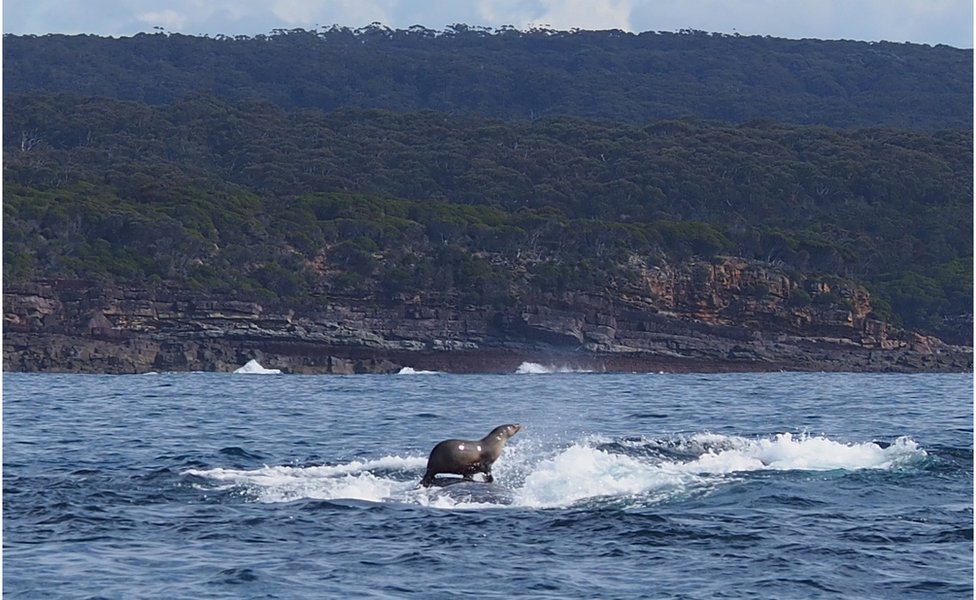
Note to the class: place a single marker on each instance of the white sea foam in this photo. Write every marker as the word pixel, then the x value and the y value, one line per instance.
pixel 412 371
pixel 804 452
pixel 581 472
pixel 254 367
pixel 358 480
pixel 538 475
pixel 531 368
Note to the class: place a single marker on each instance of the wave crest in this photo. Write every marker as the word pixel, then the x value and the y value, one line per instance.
pixel 539 475
pixel 531 368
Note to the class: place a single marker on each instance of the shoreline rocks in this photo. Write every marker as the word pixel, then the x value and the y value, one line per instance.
pixel 58 326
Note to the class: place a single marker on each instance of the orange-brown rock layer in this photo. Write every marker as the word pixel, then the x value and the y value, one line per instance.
pixel 701 316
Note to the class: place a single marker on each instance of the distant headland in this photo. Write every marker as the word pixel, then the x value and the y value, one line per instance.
pixel 373 199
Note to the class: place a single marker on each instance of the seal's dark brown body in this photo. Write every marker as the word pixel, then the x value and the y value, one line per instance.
pixel 467 457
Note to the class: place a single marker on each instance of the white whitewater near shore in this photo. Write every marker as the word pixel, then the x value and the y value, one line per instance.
pixel 533 476
pixel 531 368
pixel 412 371
pixel 254 367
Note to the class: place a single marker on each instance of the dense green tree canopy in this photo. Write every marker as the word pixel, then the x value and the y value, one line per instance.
pixel 251 198
pixel 509 74
pixel 487 166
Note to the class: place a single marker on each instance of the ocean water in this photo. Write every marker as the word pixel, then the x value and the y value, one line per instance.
pixel 208 485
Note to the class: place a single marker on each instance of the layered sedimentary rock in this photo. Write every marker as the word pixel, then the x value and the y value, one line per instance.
pixel 699 316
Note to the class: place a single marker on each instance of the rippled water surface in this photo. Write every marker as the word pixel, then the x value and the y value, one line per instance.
pixel 619 486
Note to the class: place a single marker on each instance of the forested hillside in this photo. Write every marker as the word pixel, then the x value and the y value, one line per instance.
pixel 508 74
pixel 490 168
pixel 298 204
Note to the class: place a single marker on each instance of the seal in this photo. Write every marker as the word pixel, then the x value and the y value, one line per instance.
pixel 467 457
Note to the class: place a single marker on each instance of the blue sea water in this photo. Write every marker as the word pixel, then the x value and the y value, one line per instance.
pixel 207 485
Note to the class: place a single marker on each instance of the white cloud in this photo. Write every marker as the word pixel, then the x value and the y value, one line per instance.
pixel 167 19
pixel 557 14
pixel 923 21
pixel 584 14
pixel 518 13
pixel 234 10
pixel 295 12
pixel 308 14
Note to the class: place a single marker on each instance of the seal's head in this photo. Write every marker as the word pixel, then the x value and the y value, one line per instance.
pixel 503 432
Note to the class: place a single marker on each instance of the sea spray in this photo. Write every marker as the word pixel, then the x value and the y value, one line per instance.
pixel 253 367
pixel 531 368
pixel 581 472
pixel 786 451
pixel 537 474
pixel 375 480
pixel 412 371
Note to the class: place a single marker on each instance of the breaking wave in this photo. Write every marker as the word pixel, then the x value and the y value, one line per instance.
pixel 412 371
pixel 534 474
pixel 253 367
pixel 531 368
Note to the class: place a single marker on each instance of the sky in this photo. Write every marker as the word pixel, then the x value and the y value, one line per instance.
pixel 920 21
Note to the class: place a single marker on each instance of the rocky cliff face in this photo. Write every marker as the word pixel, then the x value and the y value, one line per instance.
pixel 724 315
